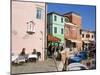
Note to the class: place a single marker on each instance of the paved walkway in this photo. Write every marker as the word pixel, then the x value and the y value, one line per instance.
pixel 32 67
pixel 40 66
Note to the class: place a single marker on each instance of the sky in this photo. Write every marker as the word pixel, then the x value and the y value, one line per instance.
pixel 87 12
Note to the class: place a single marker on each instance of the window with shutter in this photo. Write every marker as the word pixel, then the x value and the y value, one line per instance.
pixel 30 27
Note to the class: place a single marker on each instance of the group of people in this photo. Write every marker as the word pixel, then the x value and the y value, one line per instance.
pixel 23 53
pixel 54 50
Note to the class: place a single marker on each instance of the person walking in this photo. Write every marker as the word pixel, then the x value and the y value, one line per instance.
pixel 49 50
pixel 64 57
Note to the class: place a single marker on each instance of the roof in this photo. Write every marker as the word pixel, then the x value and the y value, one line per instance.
pixel 72 12
pixel 53 39
pixel 55 13
pixel 88 30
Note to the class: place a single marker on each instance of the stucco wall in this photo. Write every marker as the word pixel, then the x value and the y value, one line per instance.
pixel 73 32
pixel 75 19
pixel 23 12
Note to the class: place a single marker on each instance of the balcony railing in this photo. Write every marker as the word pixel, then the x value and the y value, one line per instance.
pixel 30 31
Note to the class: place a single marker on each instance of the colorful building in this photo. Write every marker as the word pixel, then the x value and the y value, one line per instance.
pixel 72 30
pixel 55 25
pixel 28 27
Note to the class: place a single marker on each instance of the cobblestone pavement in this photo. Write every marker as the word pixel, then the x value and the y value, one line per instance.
pixel 32 67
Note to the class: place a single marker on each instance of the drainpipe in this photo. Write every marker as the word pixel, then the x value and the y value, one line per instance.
pixel 42 43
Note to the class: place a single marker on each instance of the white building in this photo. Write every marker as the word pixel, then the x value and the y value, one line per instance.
pixel 88 37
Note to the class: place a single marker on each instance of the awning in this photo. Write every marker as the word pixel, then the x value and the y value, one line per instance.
pixel 77 41
pixel 53 39
pixel 92 41
pixel 86 41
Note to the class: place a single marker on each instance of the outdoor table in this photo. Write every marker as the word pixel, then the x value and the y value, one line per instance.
pixel 21 58
pixel 17 59
pixel 32 57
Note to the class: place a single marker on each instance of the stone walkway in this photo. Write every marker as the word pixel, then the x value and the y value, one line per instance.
pixel 32 67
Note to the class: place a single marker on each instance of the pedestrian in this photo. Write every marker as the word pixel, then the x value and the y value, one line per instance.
pixel 49 50
pixel 52 50
pixel 56 51
pixel 63 58
pixel 65 54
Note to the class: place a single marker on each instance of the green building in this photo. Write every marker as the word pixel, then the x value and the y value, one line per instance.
pixel 55 25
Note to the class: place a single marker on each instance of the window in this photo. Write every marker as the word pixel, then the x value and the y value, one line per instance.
pixel 55 29
pixel 62 20
pixel 92 36
pixel 55 18
pixel 49 29
pixel 74 44
pixel 83 35
pixel 87 36
pixel 62 31
pixel 39 13
pixel 66 19
pixel 30 27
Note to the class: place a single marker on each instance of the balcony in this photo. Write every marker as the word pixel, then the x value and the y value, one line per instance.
pixel 30 32
pixel 30 27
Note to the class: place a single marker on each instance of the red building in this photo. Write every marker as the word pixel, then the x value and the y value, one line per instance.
pixel 72 30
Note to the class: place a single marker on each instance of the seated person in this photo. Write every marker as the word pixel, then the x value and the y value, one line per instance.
pixel 34 51
pixel 39 54
pixel 23 52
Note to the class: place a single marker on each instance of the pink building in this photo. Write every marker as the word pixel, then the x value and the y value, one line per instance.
pixel 28 27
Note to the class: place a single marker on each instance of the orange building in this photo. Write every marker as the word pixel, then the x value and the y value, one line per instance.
pixel 72 30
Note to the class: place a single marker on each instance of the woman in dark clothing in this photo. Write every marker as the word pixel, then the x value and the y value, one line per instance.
pixel 23 55
pixel 23 52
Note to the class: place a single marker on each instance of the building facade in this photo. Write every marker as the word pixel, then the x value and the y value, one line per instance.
pixel 28 27
pixel 88 38
pixel 72 30
pixel 55 24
